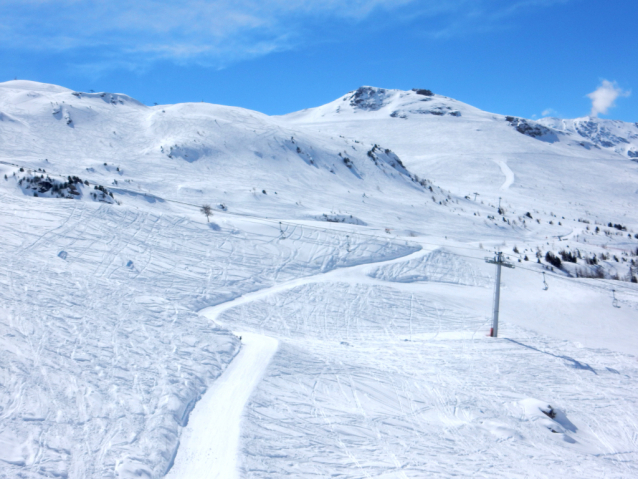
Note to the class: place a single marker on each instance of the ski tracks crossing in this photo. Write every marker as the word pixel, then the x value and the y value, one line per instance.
pixel 209 446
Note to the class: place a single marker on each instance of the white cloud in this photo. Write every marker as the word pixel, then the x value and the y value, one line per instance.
pixel 201 24
pixel 603 98
pixel 472 16
pixel 217 32
pixel 549 112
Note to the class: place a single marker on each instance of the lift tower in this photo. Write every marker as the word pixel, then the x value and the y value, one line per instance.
pixel 499 261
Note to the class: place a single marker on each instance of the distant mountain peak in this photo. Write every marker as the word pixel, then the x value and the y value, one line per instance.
pixel 602 133
pixel 370 98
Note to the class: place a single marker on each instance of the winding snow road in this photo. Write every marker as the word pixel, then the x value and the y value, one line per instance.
pixel 209 444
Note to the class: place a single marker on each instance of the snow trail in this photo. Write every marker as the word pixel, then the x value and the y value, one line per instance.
pixel 357 273
pixel 210 442
pixel 509 174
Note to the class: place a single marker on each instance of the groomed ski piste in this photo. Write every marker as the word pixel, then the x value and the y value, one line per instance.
pixel 363 316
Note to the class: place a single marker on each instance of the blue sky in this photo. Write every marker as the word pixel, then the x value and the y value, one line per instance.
pixel 520 57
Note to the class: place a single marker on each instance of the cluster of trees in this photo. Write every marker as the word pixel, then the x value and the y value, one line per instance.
pixel 553 259
pixel 597 272
pixel 103 190
pixel 617 226
pixel 69 188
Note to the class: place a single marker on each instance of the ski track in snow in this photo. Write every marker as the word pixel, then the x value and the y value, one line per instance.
pixel 368 401
pixel 126 335
pixel 209 444
pixel 414 325
pixel 509 174
pixel 208 447
pixel 373 385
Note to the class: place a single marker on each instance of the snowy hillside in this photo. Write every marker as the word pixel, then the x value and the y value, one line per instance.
pixel 548 163
pixel 330 317
pixel 192 152
pixel 610 134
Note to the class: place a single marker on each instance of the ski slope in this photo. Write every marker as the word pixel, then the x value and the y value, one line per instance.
pixel 209 446
pixel 347 248
pixel 373 345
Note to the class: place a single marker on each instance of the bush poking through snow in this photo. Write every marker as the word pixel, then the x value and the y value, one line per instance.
pixel 207 211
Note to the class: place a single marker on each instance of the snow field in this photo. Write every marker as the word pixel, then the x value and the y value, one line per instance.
pixel 374 292
pixel 104 357
pixel 373 381
pixel 480 152
pixel 443 408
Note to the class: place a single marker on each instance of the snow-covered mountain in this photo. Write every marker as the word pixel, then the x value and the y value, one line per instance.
pixel 615 135
pixel 371 103
pixel 330 317
pixel 548 162
pixel 199 153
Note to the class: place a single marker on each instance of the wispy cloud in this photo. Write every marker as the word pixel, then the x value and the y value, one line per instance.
pixel 465 17
pixel 604 97
pixel 216 32
pixel 549 112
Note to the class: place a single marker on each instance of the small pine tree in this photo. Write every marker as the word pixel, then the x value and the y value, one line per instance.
pixel 553 260
pixel 207 211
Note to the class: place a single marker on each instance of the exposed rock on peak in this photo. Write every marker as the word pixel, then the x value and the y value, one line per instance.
pixel 369 98
pixel 529 128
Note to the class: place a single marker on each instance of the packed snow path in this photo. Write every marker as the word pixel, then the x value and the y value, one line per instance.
pixel 309 329
pixel 509 174
pixel 363 390
pixel 209 443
